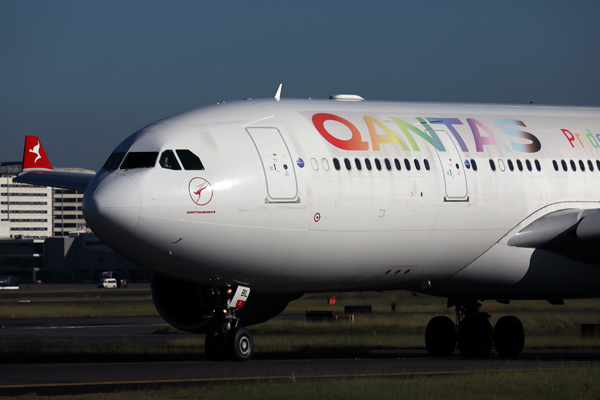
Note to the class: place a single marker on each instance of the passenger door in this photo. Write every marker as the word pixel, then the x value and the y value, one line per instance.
pixel 278 166
pixel 453 169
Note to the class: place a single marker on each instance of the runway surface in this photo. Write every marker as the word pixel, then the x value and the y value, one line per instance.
pixel 97 328
pixel 70 378
pixel 52 379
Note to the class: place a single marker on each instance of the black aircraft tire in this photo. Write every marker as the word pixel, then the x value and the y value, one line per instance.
pixel 509 337
pixel 212 345
pixel 239 344
pixel 475 336
pixel 440 337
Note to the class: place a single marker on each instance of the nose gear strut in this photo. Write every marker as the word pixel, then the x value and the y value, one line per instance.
pixel 227 340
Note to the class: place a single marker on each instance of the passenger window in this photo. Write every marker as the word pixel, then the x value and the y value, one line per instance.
pixel 537 165
pixel 347 164
pixel 520 165
pixel 581 165
pixel 314 163
pixel 168 160
pixel 325 164
pixel 598 165
pixel 573 167
pixel 336 164
pixel 564 165
pixel 189 160
pixel 114 160
pixel 417 165
pixel 528 163
pixel 492 165
pixel 368 163
pixel 427 165
pixel 141 159
pixel 397 164
pixel 510 165
pixel 473 164
pixel 555 165
pixel 358 165
pixel 590 165
pixel 388 165
pixel 378 164
pixel 407 164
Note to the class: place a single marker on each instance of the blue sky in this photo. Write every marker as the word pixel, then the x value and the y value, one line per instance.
pixel 83 75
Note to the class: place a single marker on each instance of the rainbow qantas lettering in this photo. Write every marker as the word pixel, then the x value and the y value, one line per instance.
pixel 482 134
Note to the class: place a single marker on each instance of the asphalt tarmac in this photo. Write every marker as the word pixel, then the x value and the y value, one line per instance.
pixel 72 378
pixel 80 328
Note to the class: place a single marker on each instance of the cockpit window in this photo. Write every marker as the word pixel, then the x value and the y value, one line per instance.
pixel 114 160
pixel 189 160
pixel 141 159
pixel 168 160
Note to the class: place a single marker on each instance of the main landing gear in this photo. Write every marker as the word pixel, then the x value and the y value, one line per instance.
pixel 227 340
pixel 473 333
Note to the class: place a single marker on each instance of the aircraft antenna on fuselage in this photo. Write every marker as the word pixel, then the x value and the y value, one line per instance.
pixel 278 94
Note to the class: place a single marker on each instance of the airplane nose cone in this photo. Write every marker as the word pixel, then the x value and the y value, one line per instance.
pixel 114 207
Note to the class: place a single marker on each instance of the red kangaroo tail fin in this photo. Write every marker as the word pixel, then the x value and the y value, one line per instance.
pixel 34 155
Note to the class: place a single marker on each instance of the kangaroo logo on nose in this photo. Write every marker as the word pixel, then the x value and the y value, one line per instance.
pixel 201 191
pixel 200 188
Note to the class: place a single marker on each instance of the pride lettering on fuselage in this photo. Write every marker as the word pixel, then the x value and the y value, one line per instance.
pixel 388 136
pixel 589 138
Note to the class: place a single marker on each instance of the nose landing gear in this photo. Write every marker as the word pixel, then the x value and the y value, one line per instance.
pixel 239 344
pixel 228 340
pixel 236 344
pixel 214 345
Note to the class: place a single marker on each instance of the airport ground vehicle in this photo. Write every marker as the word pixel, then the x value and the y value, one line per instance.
pixel 109 283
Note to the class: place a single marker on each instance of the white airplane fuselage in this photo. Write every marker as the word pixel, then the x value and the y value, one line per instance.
pixel 270 210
